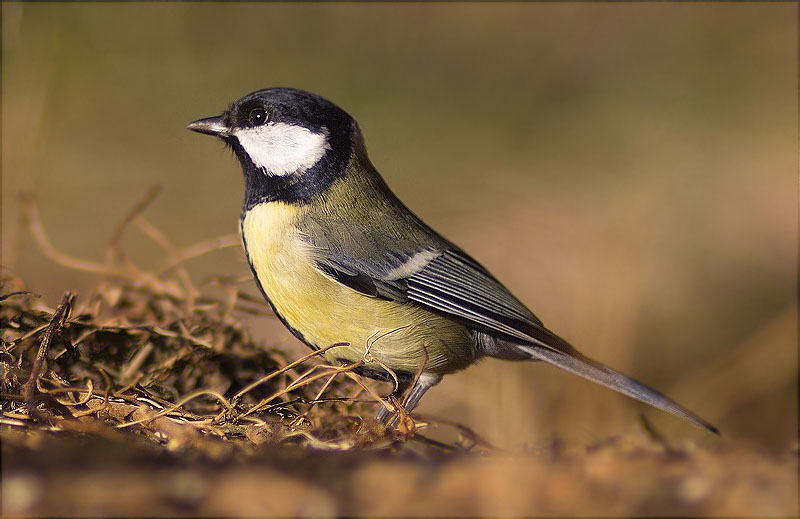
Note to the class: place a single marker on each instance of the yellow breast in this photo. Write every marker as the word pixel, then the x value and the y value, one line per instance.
pixel 402 336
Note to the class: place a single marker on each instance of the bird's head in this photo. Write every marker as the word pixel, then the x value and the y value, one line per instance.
pixel 290 143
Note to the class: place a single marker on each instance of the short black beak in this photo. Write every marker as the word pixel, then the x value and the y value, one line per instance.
pixel 210 126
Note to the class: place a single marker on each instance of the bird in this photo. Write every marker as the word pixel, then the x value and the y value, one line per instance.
pixel 346 266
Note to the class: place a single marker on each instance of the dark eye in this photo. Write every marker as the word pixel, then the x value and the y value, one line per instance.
pixel 258 116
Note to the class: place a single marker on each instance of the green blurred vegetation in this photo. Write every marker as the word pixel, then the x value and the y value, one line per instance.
pixel 629 170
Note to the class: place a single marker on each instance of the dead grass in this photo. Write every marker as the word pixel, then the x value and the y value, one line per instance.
pixel 153 353
pixel 147 396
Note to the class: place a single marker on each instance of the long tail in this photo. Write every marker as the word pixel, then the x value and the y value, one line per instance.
pixel 579 364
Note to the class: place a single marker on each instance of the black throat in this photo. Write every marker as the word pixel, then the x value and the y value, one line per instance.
pixel 301 187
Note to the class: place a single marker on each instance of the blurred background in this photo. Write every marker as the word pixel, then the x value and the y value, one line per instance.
pixel 628 170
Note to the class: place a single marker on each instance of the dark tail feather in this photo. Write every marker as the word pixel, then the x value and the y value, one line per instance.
pixel 601 374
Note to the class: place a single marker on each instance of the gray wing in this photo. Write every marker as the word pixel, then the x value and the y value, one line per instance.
pixel 440 278
pixel 445 280
pixel 455 284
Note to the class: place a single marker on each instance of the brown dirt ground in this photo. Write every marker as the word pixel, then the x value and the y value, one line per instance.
pixel 147 397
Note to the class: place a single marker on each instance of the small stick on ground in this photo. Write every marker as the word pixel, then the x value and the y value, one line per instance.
pixel 53 329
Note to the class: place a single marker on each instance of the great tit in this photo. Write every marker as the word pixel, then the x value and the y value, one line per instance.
pixel 341 260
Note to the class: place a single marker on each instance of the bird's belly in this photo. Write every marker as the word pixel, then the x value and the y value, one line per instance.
pixel 321 311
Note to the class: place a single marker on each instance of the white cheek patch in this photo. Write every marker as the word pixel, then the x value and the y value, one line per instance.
pixel 283 149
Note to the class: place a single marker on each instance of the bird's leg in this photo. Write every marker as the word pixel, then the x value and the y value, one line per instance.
pixel 423 383
pixel 384 412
